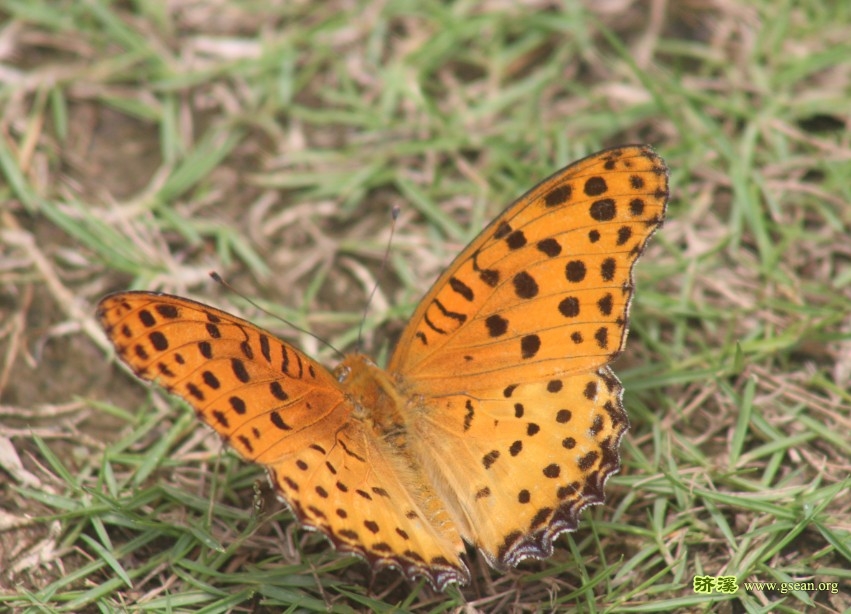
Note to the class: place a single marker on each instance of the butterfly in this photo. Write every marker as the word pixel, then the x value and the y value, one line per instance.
pixel 497 419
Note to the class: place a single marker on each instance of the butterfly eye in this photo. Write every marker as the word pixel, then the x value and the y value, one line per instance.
pixel 342 373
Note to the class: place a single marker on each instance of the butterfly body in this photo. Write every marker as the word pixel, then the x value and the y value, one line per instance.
pixel 497 419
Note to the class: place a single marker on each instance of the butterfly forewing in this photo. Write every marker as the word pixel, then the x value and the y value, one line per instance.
pixel 546 287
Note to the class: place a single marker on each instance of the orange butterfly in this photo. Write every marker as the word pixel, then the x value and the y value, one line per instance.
pixel 497 420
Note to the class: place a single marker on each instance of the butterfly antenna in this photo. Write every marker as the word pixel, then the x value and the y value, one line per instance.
pixel 394 215
pixel 218 279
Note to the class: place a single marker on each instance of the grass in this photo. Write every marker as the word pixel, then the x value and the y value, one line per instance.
pixel 145 144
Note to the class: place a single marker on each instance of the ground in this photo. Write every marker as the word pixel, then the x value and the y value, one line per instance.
pixel 144 145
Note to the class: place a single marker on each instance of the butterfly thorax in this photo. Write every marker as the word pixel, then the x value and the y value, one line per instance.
pixel 374 397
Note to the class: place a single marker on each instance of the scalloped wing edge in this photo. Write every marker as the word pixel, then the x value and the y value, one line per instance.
pixel 438 576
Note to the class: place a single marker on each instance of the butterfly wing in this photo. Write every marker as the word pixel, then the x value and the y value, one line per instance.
pixel 277 407
pixel 516 413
